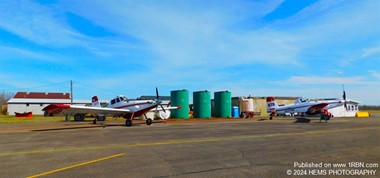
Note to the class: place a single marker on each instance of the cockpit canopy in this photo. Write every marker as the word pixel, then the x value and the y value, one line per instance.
pixel 119 99
pixel 302 100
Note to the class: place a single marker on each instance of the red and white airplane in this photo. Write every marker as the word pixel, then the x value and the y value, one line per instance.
pixel 117 107
pixel 302 106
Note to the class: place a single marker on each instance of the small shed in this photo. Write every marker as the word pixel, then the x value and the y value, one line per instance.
pixel 352 107
pixel 34 102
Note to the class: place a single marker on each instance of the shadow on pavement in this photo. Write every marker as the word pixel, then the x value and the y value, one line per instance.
pixel 302 120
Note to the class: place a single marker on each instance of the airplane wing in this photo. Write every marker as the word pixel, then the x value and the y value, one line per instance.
pixel 166 108
pixel 316 109
pixel 65 108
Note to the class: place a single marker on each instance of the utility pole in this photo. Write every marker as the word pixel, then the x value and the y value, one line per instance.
pixel 68 115
pixel 71 91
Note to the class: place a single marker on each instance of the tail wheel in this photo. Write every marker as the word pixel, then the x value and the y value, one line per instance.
pixel 271 116
pixel 128 122
pixel 79 117
pixel 149 121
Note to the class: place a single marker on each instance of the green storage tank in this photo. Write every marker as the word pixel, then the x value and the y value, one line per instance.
pixel 222 104
pixel 202 104
pixel 180 98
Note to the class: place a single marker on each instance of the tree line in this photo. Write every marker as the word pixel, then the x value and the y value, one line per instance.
pixel 369 107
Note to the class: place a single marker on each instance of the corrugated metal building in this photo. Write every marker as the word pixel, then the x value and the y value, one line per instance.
pixel 260 103
pixel 352 107
pixel 35 101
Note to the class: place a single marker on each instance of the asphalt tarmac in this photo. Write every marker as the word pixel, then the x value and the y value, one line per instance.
pixel 212 148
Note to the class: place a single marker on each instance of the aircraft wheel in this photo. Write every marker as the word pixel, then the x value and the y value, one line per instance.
pixel 79 117
pixel 101 118
pixel 270 118
pixel 128 122
pixel 149 121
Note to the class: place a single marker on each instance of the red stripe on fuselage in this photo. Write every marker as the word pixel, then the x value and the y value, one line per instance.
pixel 139 112
pixel 135 104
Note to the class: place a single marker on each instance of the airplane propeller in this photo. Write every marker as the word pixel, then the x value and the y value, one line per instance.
pixel 159 101
pixel 344 98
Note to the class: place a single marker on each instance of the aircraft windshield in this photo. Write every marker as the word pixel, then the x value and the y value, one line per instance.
pixel 123 98
pixel 302 100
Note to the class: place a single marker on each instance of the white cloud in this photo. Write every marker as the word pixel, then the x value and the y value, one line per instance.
pixel 316 9
pixel 335 30
pixel 318 80
pixel 48 26
pixel 181 34
pixel 35 22
pixel 367 52
pixel 375 73
pixel 12 53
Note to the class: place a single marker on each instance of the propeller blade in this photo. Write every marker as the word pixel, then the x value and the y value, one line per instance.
pixel 344 95
pixel 157 94
pixel 158 101
pixel 163 108
pixel 344 98
pixel 156 108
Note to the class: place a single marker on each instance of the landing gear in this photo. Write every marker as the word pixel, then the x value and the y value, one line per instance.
pixel 101 118
pixel 271 116
pixel 79 117
pixel 128 122
pixel 149 121
pixel 247 114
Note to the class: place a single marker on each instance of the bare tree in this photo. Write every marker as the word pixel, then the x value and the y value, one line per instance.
pixel 4 97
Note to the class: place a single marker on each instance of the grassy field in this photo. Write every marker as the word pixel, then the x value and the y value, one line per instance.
pixel 12 119
pixel 372 111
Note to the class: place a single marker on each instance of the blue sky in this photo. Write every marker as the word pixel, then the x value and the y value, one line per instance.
pixel 251 47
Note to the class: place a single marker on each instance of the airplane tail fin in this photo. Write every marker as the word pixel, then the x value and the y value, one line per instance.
pixel 271 104
pixel 95 102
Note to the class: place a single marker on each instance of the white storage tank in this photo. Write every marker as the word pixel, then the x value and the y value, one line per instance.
pixel 247 108
pixel 247 105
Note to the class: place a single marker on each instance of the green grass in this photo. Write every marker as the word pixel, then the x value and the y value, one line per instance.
pixel 12 119
pixel 39 119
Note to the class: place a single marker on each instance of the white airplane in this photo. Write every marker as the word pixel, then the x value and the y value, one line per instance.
pixel 117 107
pixel 302 106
